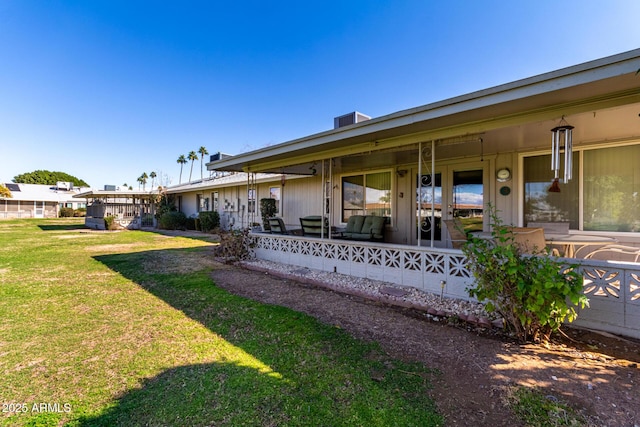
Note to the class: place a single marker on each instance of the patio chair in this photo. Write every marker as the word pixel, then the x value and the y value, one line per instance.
pixel 277 226
pixel 615 253
pixel 456 232
pixel 531 240
pixel 312 226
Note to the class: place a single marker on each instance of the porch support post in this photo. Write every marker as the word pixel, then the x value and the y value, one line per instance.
pixel 323 195
pixel 252 191
pixel 419 198
pixel 433 192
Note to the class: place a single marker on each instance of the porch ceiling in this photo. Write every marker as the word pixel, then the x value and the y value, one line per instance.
pixel 600 98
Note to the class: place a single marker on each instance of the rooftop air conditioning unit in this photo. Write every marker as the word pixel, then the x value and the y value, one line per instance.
pixel 66 186
pixel 218 156
pixel 349 119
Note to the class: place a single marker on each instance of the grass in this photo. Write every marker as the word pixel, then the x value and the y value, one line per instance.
pixel 536 409
pixel 127 328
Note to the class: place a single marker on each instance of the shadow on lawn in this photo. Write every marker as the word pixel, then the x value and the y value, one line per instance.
pixel 299 371
pixel 196 395
pixel 61 227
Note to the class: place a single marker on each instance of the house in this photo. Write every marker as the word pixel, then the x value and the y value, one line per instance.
pixel 130 209
pixel 229 194
pixel 450 159
pixel 39 201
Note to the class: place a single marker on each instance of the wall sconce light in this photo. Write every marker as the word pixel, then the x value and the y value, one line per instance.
pixel 559 134
pixel 283 179
pixel 313 169
pixel 401 172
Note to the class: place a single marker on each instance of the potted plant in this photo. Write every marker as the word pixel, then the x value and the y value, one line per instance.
pixel 267 210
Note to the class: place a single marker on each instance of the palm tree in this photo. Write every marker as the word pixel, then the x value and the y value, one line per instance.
pixel 192 156
pixel 182 160
pixel 203 152
pixel 153 178
pixel 144 177
pixel 139 179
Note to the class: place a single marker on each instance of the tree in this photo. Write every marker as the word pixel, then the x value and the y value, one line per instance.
pixel 203 152
pixel 192 156
pixel 46 177
pixel 181 160
pixel 153 179
pixel 5 193
pixel 144 177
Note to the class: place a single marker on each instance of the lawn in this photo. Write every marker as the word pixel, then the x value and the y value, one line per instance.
pixel 127 328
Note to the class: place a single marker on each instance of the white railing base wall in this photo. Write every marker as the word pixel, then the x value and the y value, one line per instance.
pixel 613 289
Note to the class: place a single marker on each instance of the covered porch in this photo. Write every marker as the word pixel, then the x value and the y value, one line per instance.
pixel 131 210
pixel 450 159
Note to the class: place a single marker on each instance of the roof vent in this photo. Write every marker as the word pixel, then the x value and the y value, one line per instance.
pixel 349 119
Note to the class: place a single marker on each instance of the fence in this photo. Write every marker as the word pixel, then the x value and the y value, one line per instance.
pixel 613 288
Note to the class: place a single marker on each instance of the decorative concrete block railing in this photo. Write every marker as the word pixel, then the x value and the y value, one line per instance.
pixel 613 289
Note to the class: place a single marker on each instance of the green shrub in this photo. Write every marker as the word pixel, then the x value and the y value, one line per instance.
pixel 191 223
pixel 267 210
pixel 80 212
pixel 66 212
pixel 110 223
pixel 530 292
pixel 209 220
pixel 166 203
pixel 172 220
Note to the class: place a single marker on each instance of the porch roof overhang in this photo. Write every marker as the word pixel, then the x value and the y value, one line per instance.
pixel 105 194
pixel 600 84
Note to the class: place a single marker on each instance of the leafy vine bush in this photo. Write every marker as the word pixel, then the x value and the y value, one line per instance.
pixel 534 294
pixel 209 220
pixel 172 220
pixel 235 245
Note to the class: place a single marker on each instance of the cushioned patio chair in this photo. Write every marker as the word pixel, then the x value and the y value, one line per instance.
pixel 365 227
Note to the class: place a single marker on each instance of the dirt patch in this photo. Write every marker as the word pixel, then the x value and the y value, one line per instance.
pixel 596 374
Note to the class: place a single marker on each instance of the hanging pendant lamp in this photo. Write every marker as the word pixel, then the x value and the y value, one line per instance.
pixel 561 135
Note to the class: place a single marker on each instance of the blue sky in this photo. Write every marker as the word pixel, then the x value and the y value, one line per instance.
pixel 107 89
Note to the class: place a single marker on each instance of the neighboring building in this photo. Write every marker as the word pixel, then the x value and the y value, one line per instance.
pixel 131 209
pixel 39 201
pixel 232 195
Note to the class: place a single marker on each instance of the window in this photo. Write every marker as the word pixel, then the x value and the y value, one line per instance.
pixel 215 197
pixel 202 203
pixel 543 206
pixel 610 180
pixel 366 194
pixel 611 189
pixel 274 193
